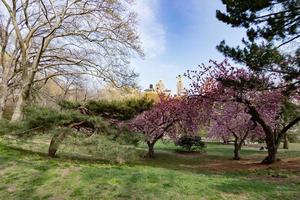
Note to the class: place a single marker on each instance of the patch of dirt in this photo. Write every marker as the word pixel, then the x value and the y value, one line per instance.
pixel 291 164
pixel 66 171
pixel 285 164
pixel 286 170
pixel 234 196
pixel 11 188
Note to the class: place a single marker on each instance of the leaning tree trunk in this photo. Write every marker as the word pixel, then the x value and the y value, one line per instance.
pixel 54 144
pixel 272 149
pixel 285 142
pixel 271 158
pixel 150 153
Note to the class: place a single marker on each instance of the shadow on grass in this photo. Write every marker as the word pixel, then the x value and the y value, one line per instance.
pixel 60 157
pixel 169 175
pixel 216 157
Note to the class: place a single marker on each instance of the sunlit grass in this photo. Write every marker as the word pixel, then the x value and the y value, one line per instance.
pixel 171 175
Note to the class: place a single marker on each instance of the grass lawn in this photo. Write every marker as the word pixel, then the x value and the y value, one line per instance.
pixel 171 175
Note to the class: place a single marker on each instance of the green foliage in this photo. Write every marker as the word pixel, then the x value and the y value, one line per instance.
pixel 269 25
pixel 108 150
pixel 6 127
pixel 128 137
pixel 48 118
pixel 294 136
pixel 43 117
pixel 69 105
pixel 290 111
pixel 191 143
pixel 121 110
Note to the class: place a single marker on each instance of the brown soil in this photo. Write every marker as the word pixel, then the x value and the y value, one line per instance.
pixel 291 164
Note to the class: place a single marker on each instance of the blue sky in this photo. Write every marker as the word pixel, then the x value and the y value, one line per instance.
pixel 178 35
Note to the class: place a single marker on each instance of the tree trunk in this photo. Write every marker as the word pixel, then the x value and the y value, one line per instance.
pixel 285 142
pixel 271 158
pixel 54 144
pixel 3 96
pixel 272 150
pixel 237 149
pixel 225 140
pixel 17 114
pixel 23 96
pixel 150 153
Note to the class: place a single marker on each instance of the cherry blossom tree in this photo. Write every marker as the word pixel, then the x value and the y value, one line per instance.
pixel 262 95
pixel 170 117
pixel 230 120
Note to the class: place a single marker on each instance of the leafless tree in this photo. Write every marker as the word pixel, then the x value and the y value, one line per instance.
pixel 43 39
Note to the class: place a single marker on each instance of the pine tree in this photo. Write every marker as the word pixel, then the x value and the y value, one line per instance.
pixel 271 25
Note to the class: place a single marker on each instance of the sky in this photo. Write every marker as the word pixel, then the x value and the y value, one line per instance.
pixel 177 35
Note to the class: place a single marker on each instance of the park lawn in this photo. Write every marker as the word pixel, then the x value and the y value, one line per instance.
pixel 171 175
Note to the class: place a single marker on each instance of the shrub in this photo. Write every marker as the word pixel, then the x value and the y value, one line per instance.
pixel 190 143
pixel 128 137
pixel 120 110
pixel 100 147
pixel 68 105
pixel 49 118
pixel 7 127
pixel 61 124
pixel 294 136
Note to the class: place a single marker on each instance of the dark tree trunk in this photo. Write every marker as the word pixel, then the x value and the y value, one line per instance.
pixel 272 138
pixel 237 149
pixel 52 149
pixel 150 153
pixel 271 158
pixel 54 144
pixel 238 143
pixel 272 150
pixel 285 142
pixel 225 140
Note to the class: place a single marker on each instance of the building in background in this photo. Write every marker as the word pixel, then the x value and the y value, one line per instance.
pixel 181 91
pixel 160 88
pixel 153 92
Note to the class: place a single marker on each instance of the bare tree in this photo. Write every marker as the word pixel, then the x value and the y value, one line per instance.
pixel 53 38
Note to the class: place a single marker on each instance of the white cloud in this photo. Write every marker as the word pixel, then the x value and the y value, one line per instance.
pixel 151 30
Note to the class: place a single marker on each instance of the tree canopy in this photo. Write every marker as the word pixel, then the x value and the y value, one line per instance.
pixel 270 25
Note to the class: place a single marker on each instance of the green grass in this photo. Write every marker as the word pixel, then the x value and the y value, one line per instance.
pixel 171 175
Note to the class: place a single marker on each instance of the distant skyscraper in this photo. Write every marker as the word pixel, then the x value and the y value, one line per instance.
pixel 180 86
pixel 160 87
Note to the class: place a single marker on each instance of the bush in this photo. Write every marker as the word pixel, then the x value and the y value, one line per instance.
pixel 120 110
pixel 6 127
pixel 128 137
pixel 294 136
pixel 59 124
pixel 69 105
pixel 49 118
pixel 100 147
pixel 190 143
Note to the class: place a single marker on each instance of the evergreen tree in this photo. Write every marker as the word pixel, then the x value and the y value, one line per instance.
pixel 270 26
